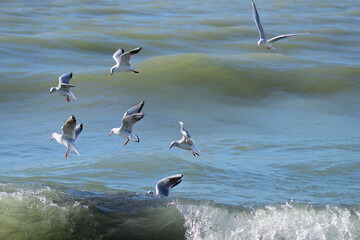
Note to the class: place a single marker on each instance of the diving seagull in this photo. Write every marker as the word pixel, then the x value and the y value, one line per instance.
pixel 70 132
pixel 262 33
pixel 164 185
pixel 64 87
pixel 127 123
pixel 123 60
pixel 186 142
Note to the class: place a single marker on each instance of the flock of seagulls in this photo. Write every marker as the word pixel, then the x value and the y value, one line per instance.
pixel 70 130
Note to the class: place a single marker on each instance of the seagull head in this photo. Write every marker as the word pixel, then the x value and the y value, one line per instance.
pixel 56 136
pixel 53 89
pixel 172 144
pixel 111 132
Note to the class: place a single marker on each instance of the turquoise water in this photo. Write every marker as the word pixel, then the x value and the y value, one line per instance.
pixel 278 131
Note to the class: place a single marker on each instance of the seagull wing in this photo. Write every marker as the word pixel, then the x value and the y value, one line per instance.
pixel 277 38
pixel 184 132
pixel 117 54
pixel 134 109
pixel 78 130
pixel 164 185
pixel 65 79
pixel 126 57
pixel 257 21
pixel 68 129
pixel 129 121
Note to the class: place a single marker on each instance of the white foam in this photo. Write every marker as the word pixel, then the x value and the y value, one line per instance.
pixel 285 221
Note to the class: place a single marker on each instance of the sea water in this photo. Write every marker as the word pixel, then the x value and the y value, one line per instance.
pixel 278 130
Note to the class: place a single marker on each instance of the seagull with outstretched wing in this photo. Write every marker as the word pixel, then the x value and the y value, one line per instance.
pixel 262 33
pixel 131 116
pixel 64 87
pixel 123 60
pixel 186 142
pixel 69 134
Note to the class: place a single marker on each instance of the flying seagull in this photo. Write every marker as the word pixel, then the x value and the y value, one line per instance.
pixel 70 132
pixel 186 142
pixel 164 185
pixel 64 87
pixel 123 60
pixel 127 123
pixel 262 33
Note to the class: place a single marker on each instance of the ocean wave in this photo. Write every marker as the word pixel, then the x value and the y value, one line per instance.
pixel 200 75
pixel 207 220
pixel 55 213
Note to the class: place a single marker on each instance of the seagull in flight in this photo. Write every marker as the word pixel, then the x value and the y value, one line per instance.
pixel 186 142
pixel 164 185
pixel 262 33
pixel 64 87
pixel 70 132
pixel 130 117
pixel 123 60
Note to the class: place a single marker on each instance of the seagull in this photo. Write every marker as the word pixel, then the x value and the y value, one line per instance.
pixel 262 33
pixel 127 123
pixel 70 132
pixel 164 185
pixel 64 87
pixel 123 60
pixel 186 142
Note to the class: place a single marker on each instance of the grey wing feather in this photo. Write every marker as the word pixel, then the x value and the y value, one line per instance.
pixel 117 54
pixel 277 38
pixel 129 121
pixel 126 58
pixel 68 129
pixel 257 21
pixel 183 131
pixel 65 79
pixel 78 130
pixel 135 109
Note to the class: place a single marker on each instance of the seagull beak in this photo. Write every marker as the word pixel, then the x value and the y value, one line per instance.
pixel 110 134
pixel 170 147
pixel 51 138
pixel 111 74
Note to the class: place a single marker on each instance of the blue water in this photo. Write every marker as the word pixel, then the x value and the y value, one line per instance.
pixel 277 130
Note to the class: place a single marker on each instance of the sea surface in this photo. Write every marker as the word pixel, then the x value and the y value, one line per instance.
pixel 278 131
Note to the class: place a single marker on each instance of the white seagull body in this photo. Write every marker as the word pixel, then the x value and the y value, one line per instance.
pixel 123 60
pixel 64 87
pixel 130 117
pixel 70 132
pixel 262 33
pixel 186 142
pixel 164 185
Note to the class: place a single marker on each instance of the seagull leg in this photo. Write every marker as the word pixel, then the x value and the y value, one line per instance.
pixel 67 153
pixel 67 99
pixel 193 153
pixel 126 142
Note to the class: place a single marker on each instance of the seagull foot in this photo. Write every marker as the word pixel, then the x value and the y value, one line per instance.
pixel 67 153
pixel 126 142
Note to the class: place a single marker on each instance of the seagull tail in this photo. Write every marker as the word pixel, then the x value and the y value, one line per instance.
pixel 72 95
pixel 73 148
